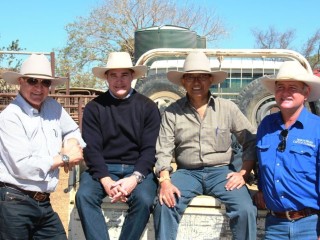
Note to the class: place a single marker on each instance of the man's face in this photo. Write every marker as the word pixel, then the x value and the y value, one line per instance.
pixel 119 81
pixel 197 84
pixel 34 90
pixel 291 94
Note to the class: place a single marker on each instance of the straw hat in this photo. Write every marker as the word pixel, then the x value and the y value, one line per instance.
pixel 119 60
pixel 197 62
pixel 35 66
pixel 294 71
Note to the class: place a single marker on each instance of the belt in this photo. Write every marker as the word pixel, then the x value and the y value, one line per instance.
pixel 295 215
pixel 38 196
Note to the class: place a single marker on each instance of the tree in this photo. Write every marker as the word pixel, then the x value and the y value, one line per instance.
pixel 271 38
pixel 9 62
pixel 111 27
pixel 311 50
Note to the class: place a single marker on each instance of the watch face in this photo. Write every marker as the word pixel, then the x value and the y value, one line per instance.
pixel 65 158
pixel 139 178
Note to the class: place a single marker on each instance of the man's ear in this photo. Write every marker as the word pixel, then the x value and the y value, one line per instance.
pixel 307 91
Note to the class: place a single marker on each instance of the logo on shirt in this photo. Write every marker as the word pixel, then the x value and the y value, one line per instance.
pixel 304 142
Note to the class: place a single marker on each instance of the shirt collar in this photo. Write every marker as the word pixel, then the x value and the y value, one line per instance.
pixel 210 101
pixel 25 106
pixel 129 94
pixel 299 122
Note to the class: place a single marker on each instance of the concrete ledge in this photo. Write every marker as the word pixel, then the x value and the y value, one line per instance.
pixel 204 219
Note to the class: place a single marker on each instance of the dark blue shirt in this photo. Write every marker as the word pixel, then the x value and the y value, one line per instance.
pixel 289 179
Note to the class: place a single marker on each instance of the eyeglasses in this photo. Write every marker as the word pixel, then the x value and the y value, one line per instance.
pixel 34 81
pixel 282 145
pixel 191 78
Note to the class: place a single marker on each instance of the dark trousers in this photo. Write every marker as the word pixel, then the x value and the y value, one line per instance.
pixel 90 195
pixel 22 217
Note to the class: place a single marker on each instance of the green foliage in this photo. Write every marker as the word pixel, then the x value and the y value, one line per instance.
pixel 111 26
pixel 9 62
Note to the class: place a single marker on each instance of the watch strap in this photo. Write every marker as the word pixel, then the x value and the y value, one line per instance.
pixel 161 179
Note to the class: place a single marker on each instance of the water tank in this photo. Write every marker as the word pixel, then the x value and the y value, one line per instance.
pixel 201 42
pixel 167 36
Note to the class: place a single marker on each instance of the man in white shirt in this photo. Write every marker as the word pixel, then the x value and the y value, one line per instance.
pixel 33 130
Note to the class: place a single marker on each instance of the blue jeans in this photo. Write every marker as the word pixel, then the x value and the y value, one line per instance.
pixel 207 181
pixel 89 199
pixel 22 217
pixel 307 228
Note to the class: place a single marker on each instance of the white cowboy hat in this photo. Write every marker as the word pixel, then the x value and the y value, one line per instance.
pixel 197 62
pixel 294 71
pixel 119 60
pixel 35 66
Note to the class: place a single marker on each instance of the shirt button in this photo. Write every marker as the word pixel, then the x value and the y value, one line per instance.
pixel 277 181
pixel 278 164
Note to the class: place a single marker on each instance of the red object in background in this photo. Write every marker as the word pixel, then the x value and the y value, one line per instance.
pixel 316 72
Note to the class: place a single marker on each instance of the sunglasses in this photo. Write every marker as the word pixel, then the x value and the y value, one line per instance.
pixel 283 144
pixel 34 81
pixel 191 78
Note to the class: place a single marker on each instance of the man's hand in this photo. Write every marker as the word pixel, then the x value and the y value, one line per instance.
pixel 73 150
pixel 168 193
pixel 235 181
pixel 114 193
pixel 124 186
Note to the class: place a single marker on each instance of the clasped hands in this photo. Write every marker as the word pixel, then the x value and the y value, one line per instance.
pixel 118 191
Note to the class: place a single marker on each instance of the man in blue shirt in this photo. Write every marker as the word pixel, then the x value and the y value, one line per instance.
pixel 288 153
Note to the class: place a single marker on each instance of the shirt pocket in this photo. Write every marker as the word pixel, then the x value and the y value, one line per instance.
pixel 222 140
pixel 303 159
pixel 263 155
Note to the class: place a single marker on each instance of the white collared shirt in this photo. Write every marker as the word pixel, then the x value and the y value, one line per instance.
pixel 29 140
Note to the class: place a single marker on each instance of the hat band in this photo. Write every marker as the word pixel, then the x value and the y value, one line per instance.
pixel 200 70
pixel 37 74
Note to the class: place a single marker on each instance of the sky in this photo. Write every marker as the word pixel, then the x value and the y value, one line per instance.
pixel 39 25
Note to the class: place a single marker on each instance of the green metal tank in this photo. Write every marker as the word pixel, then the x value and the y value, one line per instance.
pixel 167 36
pixel 201 42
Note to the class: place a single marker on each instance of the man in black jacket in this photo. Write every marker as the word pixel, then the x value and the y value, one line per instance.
pixel 120 127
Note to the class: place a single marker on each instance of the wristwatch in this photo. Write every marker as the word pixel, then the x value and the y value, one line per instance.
pixel 139 177
pixel 65 159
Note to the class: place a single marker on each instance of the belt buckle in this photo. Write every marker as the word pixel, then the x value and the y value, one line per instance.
pixel 40 196
pixel 288 215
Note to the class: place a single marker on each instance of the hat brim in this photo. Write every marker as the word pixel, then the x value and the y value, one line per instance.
pixel 12 78
pixel 138 71
pixel 268 82
pixel 176 76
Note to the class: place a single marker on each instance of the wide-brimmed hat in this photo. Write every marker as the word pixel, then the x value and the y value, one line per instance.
pixel 197 62
pixel 119 60
pixel 35 66
pixel 294 71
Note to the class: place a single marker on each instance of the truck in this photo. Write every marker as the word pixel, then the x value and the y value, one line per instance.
pixel 162 49
pixel 165 48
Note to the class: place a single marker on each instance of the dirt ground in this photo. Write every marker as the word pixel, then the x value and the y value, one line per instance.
pixel 60 199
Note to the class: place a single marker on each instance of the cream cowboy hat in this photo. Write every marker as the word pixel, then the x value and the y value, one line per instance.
pixel 196 62
pixel 294 71
pixel 35 66
pixel 119 60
